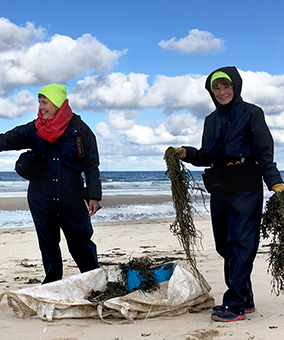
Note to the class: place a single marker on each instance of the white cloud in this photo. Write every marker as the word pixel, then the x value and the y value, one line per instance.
pixel 265 90
pixel 196 42
pixel 18 105
pixel 13 37
pixel 184 128
pixel 123 95
pixel 127 145
pixel 118 91
pixel 174 130
pixel 60 59
pixel 122 120
pixel 104 131
pixel 114 91
pixel 179 93
pixel 276 121
pixel 8 159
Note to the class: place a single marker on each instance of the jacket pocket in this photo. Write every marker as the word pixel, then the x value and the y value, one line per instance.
pixel 213 181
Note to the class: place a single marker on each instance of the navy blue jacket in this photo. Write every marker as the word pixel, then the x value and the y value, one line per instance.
pixel 244 134
pixel 62 179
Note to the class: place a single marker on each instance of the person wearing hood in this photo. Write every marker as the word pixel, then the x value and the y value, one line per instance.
pixel 237 148
pixel 69 148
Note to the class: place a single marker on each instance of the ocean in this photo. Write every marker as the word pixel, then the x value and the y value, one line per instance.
pixel 113 183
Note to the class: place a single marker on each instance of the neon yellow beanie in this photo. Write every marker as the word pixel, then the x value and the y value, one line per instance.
pixel 218 75
pixel 57 94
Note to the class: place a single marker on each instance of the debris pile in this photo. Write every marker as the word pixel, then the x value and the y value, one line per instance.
pixel 144 265
pixel 112 290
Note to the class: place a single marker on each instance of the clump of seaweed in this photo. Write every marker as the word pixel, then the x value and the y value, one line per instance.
pixel 112 290
pixel 144 265
pixel 183 186
pixel 272 228
pixel 148 282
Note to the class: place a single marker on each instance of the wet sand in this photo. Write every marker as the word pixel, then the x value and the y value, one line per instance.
pixel 20 203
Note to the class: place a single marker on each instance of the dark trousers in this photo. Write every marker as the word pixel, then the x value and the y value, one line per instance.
pixel 236 219
pixel 76 226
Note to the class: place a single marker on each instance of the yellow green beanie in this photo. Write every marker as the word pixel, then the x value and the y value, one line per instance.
pixel 218 75
pixel 57 94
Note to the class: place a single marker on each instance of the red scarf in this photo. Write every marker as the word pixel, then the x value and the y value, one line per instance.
pixel 51 129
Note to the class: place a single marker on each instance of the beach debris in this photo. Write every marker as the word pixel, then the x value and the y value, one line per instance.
pixel 272 228
pixel 182 294
pixel 33 281
pixel 112 290
pixel 145 266
pixel 148 282
pixel 183 187
pixel 28 280
pixel 204 334
pixel 25 264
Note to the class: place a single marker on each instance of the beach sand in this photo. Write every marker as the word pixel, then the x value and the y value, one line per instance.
pixel 117 242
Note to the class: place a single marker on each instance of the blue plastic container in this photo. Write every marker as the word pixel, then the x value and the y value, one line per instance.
pixel 134 278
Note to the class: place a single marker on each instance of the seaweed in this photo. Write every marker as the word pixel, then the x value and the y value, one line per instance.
pixel 183 187
pixel 272 228
pixel 112 290
pixel 144 265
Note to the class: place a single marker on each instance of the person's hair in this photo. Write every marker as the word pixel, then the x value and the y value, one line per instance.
pixel 222 81
pixel 41 96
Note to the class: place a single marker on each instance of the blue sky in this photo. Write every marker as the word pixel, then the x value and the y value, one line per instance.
pixel 135 70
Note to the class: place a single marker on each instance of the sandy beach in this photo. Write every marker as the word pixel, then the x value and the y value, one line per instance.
pixel 117 242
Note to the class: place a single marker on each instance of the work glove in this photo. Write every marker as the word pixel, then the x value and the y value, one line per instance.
pixel 279 187
pixel 180 152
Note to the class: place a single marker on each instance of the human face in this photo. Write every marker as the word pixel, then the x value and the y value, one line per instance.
pixel 47 108
pixel 224 94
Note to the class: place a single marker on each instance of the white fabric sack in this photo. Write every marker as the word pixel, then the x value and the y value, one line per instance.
pixel 67 298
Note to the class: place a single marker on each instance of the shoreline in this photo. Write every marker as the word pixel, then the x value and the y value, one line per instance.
pixel 21 203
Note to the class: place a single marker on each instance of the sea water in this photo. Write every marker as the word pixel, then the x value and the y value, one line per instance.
pixel 113 183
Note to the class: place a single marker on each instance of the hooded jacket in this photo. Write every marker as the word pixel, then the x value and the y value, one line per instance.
pixel 235 131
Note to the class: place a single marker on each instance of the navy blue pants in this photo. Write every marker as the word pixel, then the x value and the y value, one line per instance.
pixel 75 223
pixel 236 219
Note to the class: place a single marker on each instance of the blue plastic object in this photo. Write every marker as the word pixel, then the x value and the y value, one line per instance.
pixel 134 278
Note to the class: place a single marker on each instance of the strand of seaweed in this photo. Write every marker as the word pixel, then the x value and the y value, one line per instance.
pixel 272 228
pixel 183 186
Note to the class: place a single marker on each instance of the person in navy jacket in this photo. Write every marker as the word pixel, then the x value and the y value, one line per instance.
pixel 237 146
pixel 56 201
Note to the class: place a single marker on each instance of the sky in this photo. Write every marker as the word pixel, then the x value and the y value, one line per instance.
pixel 135 70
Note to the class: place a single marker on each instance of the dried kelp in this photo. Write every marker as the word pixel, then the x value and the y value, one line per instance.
pixel 272 228
pixel 112 290
pixel 145 266
pixel 183 186
pixel 148 283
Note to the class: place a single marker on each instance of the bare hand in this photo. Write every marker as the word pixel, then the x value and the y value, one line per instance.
pixel 93 207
